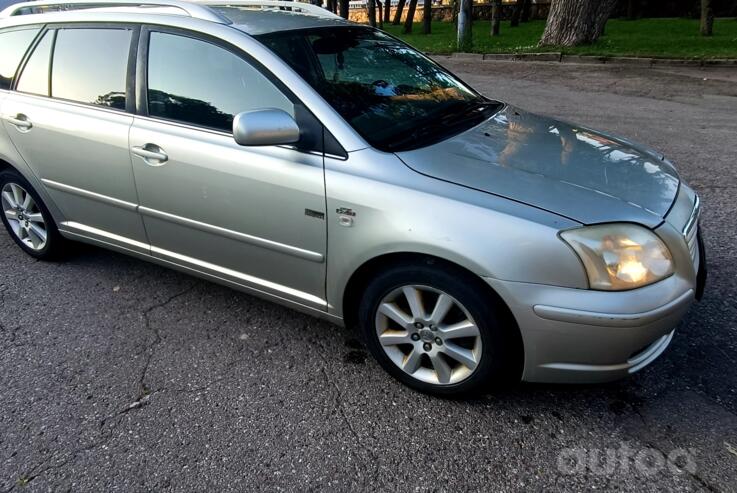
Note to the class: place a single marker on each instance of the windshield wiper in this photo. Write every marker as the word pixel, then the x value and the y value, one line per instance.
pixel 470 110
pixel 452 120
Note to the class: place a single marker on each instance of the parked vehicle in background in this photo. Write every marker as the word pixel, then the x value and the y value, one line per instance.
pixel 278 149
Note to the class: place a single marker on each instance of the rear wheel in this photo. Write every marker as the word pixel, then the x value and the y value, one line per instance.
pixel 438 330
pixel 27 219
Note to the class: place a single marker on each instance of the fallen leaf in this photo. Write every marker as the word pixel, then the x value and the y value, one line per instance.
pixel 730 449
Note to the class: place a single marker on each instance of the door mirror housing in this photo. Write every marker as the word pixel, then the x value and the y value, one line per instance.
pixel 265 127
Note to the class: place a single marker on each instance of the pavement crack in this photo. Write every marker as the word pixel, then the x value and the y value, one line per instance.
pixel 12 335
pixel 137 404
pixel 649 443
pixel 54 464
pixel 339 408
pixel 144 389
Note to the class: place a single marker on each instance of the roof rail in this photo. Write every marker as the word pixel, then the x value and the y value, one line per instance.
pixel 42 6
pixel 199 9
pixel 305 7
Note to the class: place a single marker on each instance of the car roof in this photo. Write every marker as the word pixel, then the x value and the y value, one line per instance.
pixel 255 22
pixel 252 17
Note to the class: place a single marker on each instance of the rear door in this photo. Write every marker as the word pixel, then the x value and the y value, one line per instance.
pixel 14 43
pixel 68 118
pixel 249 215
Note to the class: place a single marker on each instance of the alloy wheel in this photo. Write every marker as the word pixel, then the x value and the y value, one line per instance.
pixel 428 334
pixel 24 216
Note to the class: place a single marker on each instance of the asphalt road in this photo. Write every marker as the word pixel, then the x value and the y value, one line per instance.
pixel 241 394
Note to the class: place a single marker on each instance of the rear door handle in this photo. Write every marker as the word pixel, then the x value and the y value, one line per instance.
pixel 151 153
pixel 20 121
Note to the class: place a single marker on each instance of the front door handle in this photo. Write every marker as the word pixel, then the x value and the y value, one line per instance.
pixel 151 153
pixel 20 121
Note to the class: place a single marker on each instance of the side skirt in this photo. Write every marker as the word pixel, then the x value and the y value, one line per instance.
pixel 308 310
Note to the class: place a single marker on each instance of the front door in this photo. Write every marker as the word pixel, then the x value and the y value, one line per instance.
pixel 249 215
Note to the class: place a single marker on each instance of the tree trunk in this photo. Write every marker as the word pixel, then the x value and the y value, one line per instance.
pixel 398 14
pixel 371 12
pixel 516 14
pixel 707 17
pixel 344 5
pixel 387 11
pixel 526 7
pixel 575 22
pixel 427 17
pixel 632 10
pixel 496 14
pixel 380 14
pixel 465 42
pixel 410 17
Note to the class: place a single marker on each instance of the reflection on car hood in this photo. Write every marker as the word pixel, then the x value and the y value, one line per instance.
pixel 587 176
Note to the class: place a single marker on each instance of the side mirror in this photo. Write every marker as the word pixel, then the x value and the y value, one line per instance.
pixel 265 127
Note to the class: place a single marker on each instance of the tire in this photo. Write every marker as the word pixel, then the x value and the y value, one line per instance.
pixel 495 347
pixel 28 223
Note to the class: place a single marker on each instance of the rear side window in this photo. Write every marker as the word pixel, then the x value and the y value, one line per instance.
pixel 90 66
pixel 35 76
pixel 13 45
pixel 197 82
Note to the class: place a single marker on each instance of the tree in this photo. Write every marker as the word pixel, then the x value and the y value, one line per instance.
pixel 707 17
pixel 427 17
pixel 516 13
pixel 380 14
pixel 465 41
pixel 387 10
pixel 410 17
pixel 371 12
pixel 344 6
pixel 469 13
pixel 526 8
pixel 575 22
pixel 398 13
pixel 496 16
pixel 632 9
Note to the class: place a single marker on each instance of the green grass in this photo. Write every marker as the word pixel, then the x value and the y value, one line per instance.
pixel 667 38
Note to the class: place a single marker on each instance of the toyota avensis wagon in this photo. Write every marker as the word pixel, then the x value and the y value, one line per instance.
pixel 278 149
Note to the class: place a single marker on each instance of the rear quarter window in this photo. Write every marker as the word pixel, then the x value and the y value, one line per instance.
pixel 35 76
pixel 13 45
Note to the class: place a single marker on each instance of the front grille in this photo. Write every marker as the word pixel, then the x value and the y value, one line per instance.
pixel 690 232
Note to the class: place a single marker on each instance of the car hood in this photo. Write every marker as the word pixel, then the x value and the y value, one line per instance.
pixel 584 175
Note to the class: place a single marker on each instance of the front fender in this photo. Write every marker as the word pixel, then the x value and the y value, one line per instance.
pixel 400 211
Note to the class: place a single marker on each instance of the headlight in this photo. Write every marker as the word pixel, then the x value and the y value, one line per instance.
pixel 620 256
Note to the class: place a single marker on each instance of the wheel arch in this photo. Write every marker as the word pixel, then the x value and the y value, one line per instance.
pixel 363 274
pixel 6 165
pixel 36 183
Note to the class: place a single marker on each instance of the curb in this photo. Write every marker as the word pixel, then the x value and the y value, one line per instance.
pixel 592 59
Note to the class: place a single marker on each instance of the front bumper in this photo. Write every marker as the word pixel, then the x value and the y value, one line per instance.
pixel 584 336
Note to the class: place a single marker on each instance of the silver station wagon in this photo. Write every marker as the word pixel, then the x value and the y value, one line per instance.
pixel 276 148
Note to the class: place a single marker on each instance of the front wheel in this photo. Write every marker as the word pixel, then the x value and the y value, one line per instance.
pixel 439 330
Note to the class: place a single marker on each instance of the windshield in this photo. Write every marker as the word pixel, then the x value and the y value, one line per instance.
pixel 394 96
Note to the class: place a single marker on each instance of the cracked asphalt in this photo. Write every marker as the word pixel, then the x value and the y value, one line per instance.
pixel 118 375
